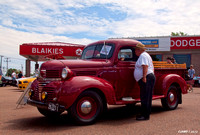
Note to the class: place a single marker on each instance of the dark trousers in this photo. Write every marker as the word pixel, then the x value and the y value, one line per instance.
pixel 146 92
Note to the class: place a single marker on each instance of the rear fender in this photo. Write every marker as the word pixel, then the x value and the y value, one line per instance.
pixel 165 81
pixel 73 87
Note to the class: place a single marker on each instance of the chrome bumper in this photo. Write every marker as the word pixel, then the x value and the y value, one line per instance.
pixel 39 104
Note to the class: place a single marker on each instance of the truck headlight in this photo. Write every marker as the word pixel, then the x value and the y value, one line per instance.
pixel 64 73
pixel 37 73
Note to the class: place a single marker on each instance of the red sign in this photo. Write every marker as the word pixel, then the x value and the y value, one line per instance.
pixel 63 49
pixel 185 42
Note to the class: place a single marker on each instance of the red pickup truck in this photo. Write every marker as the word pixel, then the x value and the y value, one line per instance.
pixel 103 75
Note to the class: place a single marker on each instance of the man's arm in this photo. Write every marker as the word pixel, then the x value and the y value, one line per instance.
pixel 145 69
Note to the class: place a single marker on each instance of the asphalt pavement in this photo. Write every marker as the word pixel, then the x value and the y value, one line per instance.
pixel 119 120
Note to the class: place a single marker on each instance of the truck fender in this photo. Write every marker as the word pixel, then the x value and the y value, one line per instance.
pixel 165 81
pixel 73 87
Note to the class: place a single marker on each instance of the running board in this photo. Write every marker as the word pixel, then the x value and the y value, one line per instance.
pixel 130 100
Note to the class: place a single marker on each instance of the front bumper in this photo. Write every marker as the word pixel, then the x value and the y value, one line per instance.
pixel 58 108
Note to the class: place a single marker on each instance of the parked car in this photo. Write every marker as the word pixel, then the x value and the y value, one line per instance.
pixel 1 83
pixel 18 81
pixel 6 80
pixel 23 83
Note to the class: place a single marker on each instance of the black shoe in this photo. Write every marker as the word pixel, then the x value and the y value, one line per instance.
pixel 142 118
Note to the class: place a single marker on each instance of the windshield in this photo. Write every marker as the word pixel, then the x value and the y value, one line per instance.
pixel 98 51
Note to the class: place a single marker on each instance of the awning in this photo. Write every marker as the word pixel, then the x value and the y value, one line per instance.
pixel 41 51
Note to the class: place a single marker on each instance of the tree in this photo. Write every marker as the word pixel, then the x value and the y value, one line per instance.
pixel 178 33
pixel 9 71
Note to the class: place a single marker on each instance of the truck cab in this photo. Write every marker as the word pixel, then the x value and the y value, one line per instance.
pixel 103 75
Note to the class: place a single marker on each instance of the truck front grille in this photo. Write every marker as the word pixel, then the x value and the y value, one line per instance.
pixel 53 73
pixel 38 91
pixel 50 92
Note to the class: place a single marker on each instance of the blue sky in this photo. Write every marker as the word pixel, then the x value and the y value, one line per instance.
pixel 82 22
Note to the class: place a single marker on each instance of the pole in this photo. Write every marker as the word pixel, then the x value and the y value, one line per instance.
pixel 7 63
pixel 1 65
pixel 1 61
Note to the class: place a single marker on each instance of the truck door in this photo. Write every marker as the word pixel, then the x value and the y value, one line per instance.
pixel 126 85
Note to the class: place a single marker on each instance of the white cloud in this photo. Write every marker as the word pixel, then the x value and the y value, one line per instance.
pixel 160 18
pixel 11 39
pixel 54 18
pixel 82 22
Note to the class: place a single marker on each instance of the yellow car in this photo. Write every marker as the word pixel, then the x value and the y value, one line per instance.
pixel 23 83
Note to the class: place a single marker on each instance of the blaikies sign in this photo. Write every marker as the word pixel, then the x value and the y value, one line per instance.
pixel 63 49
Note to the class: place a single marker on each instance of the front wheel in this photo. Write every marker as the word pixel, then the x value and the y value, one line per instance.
pixel 171 101
pixel 86 108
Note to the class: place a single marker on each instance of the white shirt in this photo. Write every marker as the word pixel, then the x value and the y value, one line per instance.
pixel 14 75
pixel 144 59
pixel 191 72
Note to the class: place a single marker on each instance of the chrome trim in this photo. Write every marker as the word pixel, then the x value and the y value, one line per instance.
pixel 52 79
pixel 86 107
pixel 39 104
pixel 171 97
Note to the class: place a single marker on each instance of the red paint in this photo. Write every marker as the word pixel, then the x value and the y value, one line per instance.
pixel 112 79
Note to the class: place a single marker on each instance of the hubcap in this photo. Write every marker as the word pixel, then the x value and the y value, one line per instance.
pixel 171 97
pixel 86 107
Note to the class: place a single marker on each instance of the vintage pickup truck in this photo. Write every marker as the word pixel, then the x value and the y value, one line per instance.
pixel 103 75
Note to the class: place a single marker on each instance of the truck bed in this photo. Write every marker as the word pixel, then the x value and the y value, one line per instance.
pixel 162 67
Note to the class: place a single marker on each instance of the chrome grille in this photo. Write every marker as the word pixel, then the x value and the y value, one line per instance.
pixel 36 94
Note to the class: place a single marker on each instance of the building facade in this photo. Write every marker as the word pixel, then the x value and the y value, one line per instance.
pixel 185 49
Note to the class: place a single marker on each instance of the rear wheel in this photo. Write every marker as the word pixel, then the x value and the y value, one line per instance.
pixel 86 108
pixel 171 101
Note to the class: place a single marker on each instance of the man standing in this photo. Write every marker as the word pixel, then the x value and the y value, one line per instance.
pixel 144 75
pixel 191 73
pixel 13 75
pixel 173 61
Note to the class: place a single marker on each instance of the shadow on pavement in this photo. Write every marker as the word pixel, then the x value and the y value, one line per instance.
pixel 114 116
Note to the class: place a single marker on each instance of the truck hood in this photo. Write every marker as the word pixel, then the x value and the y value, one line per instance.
pixel 73 64
pixel 82 63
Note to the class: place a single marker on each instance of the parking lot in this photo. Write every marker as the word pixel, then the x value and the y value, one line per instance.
pixel 119 120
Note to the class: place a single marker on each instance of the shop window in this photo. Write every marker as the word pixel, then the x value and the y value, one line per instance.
pixel 157 57
pixel 183 58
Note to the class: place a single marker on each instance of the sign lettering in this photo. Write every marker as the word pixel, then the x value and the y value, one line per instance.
pixel 47 50
pixel 185 42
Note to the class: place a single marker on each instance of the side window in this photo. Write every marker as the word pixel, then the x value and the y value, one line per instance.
pixel 127 54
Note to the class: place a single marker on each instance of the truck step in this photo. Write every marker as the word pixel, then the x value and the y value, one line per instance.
pixel 128 99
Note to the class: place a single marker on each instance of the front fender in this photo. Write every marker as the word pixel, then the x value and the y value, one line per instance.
pixel 73 87
pixel 165 81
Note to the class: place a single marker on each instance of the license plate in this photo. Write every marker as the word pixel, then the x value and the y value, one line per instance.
pixel 53 107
